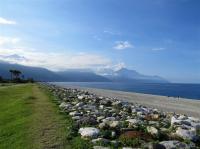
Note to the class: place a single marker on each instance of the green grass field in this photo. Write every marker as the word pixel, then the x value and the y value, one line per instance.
pixel 30 119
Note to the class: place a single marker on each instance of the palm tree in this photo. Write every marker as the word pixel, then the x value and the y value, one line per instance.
pixel 16 73
pixel 11 73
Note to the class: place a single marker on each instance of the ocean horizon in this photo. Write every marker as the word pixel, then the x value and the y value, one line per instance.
pixel 190 91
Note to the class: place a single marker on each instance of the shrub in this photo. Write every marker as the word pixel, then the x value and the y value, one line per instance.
pixel 78 143
pixel 72 131
pixel 124 124
pixel 141 128
pixel 107 134
pixel 162 136
pixel 130 142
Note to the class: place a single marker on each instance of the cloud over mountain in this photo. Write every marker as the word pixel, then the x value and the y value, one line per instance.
pixel 53 60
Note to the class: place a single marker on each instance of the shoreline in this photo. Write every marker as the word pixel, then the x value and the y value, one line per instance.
pixel 189 107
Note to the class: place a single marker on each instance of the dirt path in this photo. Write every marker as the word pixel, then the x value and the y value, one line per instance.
pixel 48 126
pixel 30 119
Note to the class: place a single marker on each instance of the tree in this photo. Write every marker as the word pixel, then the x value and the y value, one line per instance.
pixel 1 79
pixel 23 77
pixel 11 73
pixel 16 73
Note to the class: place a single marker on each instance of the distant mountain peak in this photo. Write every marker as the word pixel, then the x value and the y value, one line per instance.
pixel 125 74
pixel 125 70
pixel 122 69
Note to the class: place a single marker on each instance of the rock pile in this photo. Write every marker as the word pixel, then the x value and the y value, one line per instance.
pixel 112 122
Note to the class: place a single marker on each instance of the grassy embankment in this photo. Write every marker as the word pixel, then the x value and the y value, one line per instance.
pixel 30 119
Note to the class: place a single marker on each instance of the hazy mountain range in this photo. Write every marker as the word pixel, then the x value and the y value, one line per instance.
pixel 126 75
pixel 42 74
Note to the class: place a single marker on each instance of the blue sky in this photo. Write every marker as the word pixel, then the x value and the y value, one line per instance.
pixel 154 37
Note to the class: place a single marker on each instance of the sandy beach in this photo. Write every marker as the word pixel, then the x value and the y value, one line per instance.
pixel 189 107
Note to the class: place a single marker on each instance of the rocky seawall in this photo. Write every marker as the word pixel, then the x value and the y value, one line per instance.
pixel 110 122
pixel 165 103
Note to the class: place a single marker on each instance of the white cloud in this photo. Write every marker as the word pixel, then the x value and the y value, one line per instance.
pixel 6 21
pixel 13 57
pixel 110 69
pixel 8 40
pixel 12 53
pixel 119 66
pixel 121 45
pixel 111 32
pixel 53 60
pixel 158 49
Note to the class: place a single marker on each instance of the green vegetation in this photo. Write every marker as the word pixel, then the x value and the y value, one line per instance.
pixel 107 134
pixel 6 84
pixel 30 119
pixel 78 143
pixel 16 76
pixel 130 142
pixel 198 132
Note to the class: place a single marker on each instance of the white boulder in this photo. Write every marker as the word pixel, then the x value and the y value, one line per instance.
pixel 75 113
pixel 108 119
pixel 175 121
pixel 100 118
pixel 180 120
pixel 80 97
pixel 186 134
pixel 114 124
pixel 175 144
pixel 133 121
pixel 80 104
pixel 102 125
pixel 152 130
pixel 89 132
pixel 193 119
pixel 76 117
pixel 100 147
pixel 182 117
pixel 102 140
pixel 62 105
pixel 195 123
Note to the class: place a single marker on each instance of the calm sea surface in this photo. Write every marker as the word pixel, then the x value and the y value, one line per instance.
pixel 183 90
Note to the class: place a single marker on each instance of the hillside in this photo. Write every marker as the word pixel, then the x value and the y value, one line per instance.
pixel 126 75
pixel 42 74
